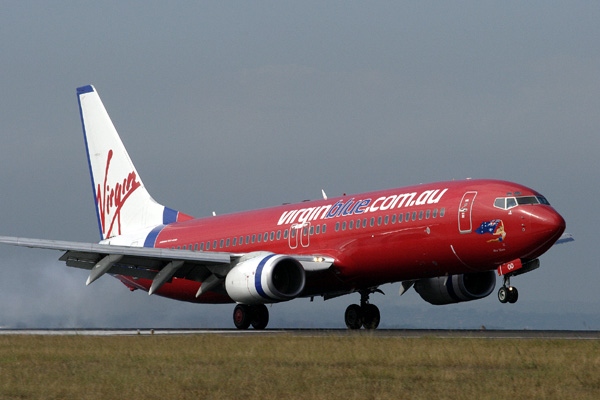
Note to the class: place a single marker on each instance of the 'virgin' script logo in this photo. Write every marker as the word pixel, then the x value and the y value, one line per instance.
pixel 111 199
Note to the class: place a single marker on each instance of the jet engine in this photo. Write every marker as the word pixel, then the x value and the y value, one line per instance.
pixel 456 288
pixel 261 278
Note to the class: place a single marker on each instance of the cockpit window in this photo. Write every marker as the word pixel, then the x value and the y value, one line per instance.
pixel 510 203
pixel 527 200
pixel 506 203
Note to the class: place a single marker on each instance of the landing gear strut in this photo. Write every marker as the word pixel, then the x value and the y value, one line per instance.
pixel 245 315
pixel 366 315
pixel 507 293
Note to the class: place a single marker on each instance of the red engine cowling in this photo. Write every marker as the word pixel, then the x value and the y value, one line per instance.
pixel 456 288
pixel 261 278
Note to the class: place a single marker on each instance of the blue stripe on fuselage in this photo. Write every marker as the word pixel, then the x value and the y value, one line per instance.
pixel 151 238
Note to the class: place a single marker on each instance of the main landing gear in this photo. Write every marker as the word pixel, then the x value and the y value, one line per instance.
pixel 245 315
pixel 366 315
pixel 507 293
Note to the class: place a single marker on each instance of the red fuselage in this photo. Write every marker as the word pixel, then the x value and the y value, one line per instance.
pixel 378 237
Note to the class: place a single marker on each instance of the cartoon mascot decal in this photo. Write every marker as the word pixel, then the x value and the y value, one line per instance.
pixel 494 227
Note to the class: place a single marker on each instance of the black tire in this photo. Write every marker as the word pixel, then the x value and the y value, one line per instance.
pixel 353 316
pixel 260 316
pixel 242 316
pixel 503 295
pixel 370 316
pixel 513 295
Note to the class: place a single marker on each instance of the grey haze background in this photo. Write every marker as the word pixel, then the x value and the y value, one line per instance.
pixel 230 106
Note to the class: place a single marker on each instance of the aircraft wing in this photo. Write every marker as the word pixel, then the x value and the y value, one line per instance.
pixel 565 238
pixel 156 264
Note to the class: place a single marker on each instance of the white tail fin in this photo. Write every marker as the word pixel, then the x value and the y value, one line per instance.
pixel 122 202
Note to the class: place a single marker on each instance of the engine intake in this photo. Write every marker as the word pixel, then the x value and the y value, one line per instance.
pixel 456 288
pixel 265 278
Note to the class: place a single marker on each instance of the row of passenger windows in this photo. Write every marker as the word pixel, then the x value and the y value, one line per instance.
pixel 248 239
pixel 406 217
pixel 312 230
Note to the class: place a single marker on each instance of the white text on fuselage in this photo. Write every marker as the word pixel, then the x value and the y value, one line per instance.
pixel 353 206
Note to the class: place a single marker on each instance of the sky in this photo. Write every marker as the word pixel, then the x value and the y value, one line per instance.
pixel 231 106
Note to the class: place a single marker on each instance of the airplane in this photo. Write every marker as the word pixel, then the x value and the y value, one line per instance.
pixel 448 240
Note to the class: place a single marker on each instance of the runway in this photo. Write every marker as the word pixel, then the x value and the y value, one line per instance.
pixel 383 333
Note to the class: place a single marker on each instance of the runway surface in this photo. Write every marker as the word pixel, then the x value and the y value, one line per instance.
pixel 402 333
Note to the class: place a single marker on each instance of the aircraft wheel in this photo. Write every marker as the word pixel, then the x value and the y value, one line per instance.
pixel 370 316
pixel 260 316
pixel 353 316
pixel 242 316
pixel 503 294
pixel 513 295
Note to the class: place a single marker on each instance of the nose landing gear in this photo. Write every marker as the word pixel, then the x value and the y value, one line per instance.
pixel 364 315
pixel 507 293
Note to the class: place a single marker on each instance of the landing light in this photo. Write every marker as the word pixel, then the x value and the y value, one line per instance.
pixel 318 259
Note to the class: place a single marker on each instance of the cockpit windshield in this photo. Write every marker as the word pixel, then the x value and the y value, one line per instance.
pixel 509 202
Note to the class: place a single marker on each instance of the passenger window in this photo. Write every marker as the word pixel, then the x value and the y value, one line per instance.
pixel 324 228
pixel 278 235
pixel 235 241
pixel 272 236
pixel 378 221
pixel 407 216
pixel 195 246
pixel 312 230
pixel 414 216
pixel 304 231
pixel 259 238
pixel 318 230
pixel 228 242
pixel 221 244
pixel 184 247
pixel 435 213
pixel 357 223
pixel 285 234
pixel 265 236
pixel 420 215
pixel 373 221
pixel 351 224
pixel 442 212
pixel 294 233
pixel 393 219
pixel 202 246
pixel 427 214
pixel 364 224
pixel 208 245
pixel 344 225
pixel 241 240
pixel 337 226
pixel 386 220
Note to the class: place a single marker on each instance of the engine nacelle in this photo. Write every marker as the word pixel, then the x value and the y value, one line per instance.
pixel 456 288
pixel 262 277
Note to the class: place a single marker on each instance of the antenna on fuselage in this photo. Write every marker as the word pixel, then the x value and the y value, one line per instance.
pixel 324 194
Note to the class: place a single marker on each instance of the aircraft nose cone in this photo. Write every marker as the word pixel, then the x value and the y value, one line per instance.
pixel 548 223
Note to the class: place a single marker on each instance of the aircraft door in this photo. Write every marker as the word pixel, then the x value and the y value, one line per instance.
pixel 465 225
pixel 299 233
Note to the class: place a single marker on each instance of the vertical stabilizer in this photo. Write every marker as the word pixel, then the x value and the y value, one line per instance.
pixel 123 204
